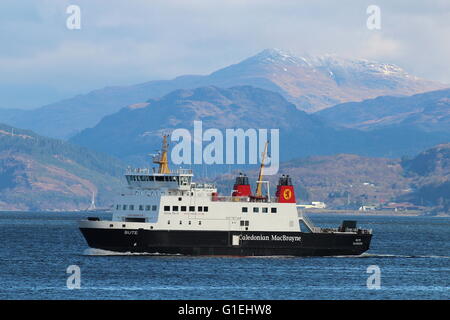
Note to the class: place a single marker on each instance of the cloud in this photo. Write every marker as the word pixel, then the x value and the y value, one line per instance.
pixel 126 42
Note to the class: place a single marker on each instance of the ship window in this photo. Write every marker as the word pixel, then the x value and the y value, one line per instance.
pixel 189 223
pixel 111 225
pixel 131 206
pixel 200 209
pixel 123 226
pixel 147 208
pixel 117 207
pixel 265 210
pixel 242 223
pixel 199 223
pixel 191 208
pixel 205 209
pixel 166 208
pixel 150 178
pixel 255 209
pixel 175 208
pixel 183 208
pixel 124 207
pixel 273 210
pixel 141 207
pixel 179 198
pixel 244 209
pixel 246 223
pixel 168 221
pixel 184 181
pixel 154 208
pixel 181 222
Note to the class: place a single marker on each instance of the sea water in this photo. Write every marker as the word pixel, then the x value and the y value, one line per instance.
pixel 36 250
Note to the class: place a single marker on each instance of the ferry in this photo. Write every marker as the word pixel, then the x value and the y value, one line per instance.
pixel 164 212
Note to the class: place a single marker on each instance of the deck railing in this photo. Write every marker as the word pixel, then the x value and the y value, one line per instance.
pixel 149 171
pixel 243 199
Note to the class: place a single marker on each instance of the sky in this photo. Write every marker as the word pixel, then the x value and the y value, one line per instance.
pixel 127 42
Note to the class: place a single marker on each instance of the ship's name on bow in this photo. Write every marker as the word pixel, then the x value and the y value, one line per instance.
pixel 273 237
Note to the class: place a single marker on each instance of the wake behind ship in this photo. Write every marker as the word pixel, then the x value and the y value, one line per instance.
pixel 165 212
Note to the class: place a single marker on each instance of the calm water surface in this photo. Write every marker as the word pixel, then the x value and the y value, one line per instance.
pixel 413 254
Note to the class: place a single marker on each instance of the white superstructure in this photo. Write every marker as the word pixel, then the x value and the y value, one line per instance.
pixel 173 201
pixel 158 199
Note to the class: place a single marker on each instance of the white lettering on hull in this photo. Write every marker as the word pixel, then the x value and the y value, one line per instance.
pixel 273 237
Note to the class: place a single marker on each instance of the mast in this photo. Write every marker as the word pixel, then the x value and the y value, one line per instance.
pixel 92 206
pixel 162 159
pixel 258 192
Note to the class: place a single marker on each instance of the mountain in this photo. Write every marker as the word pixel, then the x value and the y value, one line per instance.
pixel 39 173
pixel 11 115
pixel 136 130
pixel 434 162
pixel 430 171
pixel 428 111
pixel 133 132
pixel 311 83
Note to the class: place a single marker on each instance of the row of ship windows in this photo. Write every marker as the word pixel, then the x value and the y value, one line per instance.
pixel 184 208
pixel 205 209
pixel 263 210
pixel 127 219
pixel 140 207
pixel 191 208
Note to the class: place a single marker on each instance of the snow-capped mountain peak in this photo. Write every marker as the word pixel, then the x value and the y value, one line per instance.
pixel 328 63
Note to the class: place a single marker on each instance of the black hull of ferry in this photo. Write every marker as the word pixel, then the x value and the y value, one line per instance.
pixel 220 243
